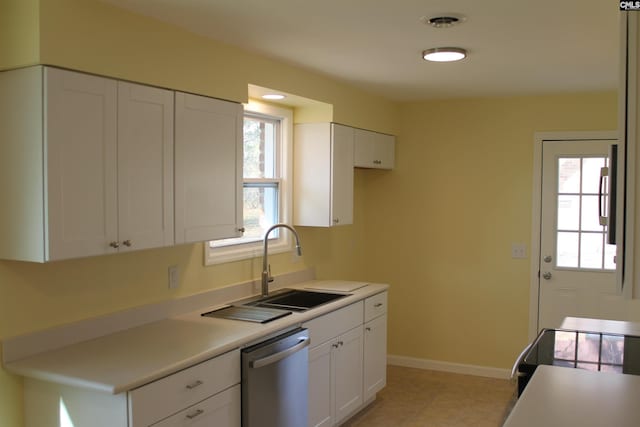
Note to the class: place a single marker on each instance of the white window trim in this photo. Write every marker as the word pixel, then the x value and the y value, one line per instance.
pixel 283 243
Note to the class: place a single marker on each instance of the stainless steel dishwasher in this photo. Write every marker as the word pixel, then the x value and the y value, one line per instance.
pixel 275 381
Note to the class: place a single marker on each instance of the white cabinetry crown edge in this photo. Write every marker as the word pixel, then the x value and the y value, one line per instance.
pixel 23 346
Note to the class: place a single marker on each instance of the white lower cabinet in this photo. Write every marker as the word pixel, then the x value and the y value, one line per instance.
pixel 375 345
pixel 221 410
pixel 375 356
pixel 335 379
pixel 206 394
pixel 348 373
pixel 177 393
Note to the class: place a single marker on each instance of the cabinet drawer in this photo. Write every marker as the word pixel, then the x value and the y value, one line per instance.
pixel 330 325
pixel 375 306
pixel 164 397
pixel 222 410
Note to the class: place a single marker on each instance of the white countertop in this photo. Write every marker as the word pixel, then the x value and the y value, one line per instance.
pixel 561 397
pixel 128 359
pixel 599 325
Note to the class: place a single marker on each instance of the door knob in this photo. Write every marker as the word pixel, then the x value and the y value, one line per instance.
pixel 546 275
pixel 548 258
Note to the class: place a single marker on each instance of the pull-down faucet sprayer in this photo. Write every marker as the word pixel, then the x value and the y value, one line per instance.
pixel 266 269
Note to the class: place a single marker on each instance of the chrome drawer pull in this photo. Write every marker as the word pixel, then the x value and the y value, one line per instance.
pixel 195 414
pixel 194 385
pixel 378 305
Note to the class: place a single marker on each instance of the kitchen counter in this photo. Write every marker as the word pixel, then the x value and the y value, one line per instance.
pixel 561 397
pixel 127 359
pixel 599 325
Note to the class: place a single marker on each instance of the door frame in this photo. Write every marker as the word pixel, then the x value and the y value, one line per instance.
pixel 536 203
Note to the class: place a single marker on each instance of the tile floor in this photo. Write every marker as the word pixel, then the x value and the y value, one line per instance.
pixel 422 398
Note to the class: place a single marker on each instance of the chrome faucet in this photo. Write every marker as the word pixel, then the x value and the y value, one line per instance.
pixel 266 268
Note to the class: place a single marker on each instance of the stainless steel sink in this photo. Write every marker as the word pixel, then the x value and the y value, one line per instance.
pixel 248 314
pixel 295 300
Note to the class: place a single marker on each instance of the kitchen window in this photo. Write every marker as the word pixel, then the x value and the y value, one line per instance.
pixel 267 160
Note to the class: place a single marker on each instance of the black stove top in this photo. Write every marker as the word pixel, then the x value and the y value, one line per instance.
pixel 594 351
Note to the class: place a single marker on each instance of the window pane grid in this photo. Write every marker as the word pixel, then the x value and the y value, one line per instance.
pixel 580 241
pixel 262 181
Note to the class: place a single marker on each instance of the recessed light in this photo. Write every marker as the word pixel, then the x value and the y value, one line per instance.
pixel 273 96
pixel 444 54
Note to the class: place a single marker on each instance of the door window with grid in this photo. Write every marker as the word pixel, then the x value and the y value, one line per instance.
pixel 581 239
pixel 265 202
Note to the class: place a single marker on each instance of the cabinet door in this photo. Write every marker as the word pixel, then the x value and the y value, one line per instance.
pixel 145 166
pixel 373 150
pixel 348 373
pixel 341 174
pixel 321 397
pixel 220 410
pixel 208 168
pixel 80 127
pixel 375 356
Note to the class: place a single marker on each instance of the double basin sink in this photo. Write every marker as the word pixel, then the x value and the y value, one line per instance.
pixel 275 306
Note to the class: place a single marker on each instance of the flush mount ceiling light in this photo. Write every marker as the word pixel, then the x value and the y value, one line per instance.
pixel 273 96
pixel 444 54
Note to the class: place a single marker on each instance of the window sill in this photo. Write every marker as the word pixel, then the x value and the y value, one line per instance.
pixel 226 254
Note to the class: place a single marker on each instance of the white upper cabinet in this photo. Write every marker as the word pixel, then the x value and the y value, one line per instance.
pixel 80 144
pixel 145 166
pixel 374 150
pixel 81 178
pixel 323 174
pixel 208 169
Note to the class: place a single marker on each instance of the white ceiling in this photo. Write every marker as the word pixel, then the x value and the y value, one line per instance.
pixel 515 46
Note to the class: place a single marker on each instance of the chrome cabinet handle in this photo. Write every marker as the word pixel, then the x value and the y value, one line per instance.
pixel 377 162
pixel 114 245
pixel 368 329
pixel 546 275
pixel 195 414
pixel 548 258
pixel 127 243
pixel 378 305
pixel 194 385
pixel 336 220
pixel 241 230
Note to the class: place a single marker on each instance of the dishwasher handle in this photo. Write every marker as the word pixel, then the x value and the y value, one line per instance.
pixel 273 358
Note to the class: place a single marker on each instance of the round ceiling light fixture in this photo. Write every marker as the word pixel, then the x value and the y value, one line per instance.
pixel 444 54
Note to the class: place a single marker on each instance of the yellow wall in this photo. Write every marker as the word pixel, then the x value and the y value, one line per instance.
pixel 440 226
pixel 95 37
pixel 19 33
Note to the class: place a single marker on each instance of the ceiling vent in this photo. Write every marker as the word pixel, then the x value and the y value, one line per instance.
pixel 442 21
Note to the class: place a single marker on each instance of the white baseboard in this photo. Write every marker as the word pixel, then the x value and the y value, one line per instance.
pixel 457 368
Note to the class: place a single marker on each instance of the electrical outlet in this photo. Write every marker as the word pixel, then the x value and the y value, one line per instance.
pixel 518 250
pixel 174 277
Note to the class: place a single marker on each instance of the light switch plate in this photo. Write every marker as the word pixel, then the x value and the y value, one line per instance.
pixel 518 250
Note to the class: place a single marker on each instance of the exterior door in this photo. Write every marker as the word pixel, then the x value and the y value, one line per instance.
pixel 577 267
